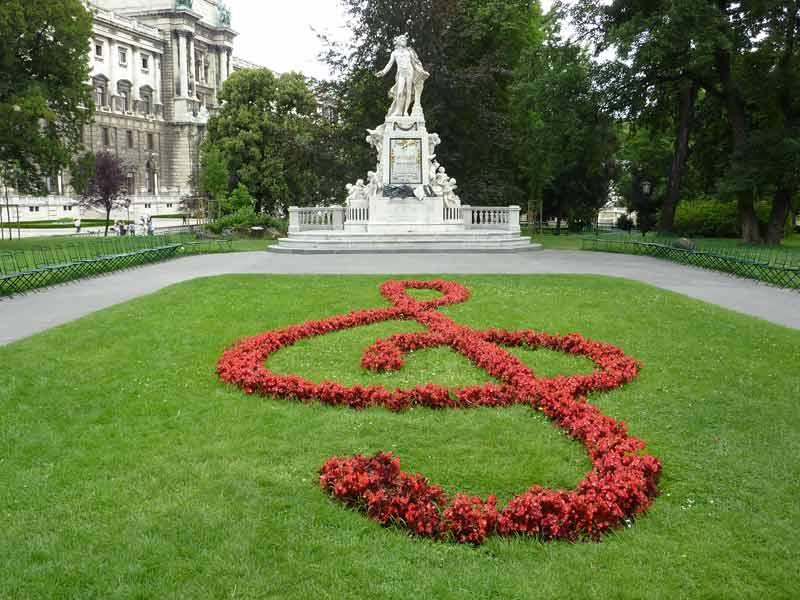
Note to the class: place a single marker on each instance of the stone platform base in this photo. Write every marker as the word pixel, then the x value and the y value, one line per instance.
pixel 464 242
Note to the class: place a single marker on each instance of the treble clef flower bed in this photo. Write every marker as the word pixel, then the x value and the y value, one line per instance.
pixel 620 485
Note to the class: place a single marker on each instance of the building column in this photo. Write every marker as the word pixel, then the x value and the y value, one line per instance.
pixel 112 70
pixel 157 80
pixel 223 65
pixel 155 182
pixel 184 73
pixel 134 77
pixel 192 74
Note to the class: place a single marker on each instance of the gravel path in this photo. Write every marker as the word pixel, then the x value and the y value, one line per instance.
pixel 22 316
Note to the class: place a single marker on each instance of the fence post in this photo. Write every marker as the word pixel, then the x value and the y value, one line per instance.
pixel 513 219
pixel 466 214
pixel 294 219
pixel 338 217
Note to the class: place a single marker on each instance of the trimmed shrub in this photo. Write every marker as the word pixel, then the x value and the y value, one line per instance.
pixel 707 217
pixel 245 218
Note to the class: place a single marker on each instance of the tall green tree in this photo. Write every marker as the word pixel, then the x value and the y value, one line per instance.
pixel 266 132
pixel 565 139
pixel 214 176
pixel 44 97
pixel 471 48
pixel 742 53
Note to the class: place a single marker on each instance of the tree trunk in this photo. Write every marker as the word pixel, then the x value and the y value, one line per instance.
pixel 737 119
pixel 781 206
pixel 689 93
pixel 108 219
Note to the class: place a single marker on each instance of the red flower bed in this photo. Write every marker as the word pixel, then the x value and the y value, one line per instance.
pixel 621 484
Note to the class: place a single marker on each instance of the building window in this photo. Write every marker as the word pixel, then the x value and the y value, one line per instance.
pixel 130 183
pixel 205 68
pixel 98 50
pixel 100 84
pixel 129 134
pixel 105 136
pixel 148 206
pixel 169 204
pixel 145 62
pixel 146 102
pixel 67 208
pixel 124 91
pixel 150 142
pixel 33 208
pixel 123 57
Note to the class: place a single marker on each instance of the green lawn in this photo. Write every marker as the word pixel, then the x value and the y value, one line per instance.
pixel 239 244
pixel 127 470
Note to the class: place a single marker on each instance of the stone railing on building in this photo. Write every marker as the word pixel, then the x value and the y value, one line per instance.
pixel 320 218
pixel 452 214
pixel 333 218
pixel 357 215
pixel 491 217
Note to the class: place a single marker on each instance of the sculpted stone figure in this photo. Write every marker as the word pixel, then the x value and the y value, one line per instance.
pixel 451 199
pixel 375 139
pixel 434 170
pixel 374 185
pixel 433 141
pixel 357 194
pixel 411 77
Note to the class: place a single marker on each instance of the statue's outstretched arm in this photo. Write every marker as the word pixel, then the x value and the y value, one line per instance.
pixel 388 67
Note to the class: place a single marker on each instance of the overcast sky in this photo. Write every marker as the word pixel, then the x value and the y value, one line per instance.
pixel 279 34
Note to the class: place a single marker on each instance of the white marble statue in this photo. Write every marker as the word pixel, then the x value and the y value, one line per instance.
pixel 375 139
pixel 357 194
pixel 434 170
pixel 451 199
pixel 411 76
pixel 375 185
pixel 433 141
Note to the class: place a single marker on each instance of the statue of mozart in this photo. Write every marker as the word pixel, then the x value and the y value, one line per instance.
pixel 411 76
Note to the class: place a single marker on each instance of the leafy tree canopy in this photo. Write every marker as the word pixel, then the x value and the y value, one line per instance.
pixel 266 132
pixel 44 97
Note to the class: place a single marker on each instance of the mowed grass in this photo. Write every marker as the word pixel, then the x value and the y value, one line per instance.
pixel 127 470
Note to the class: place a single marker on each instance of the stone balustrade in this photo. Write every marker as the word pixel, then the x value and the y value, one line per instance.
pixel 491 217
pixel 318 218
pixel 357 215
pixel 333 218
pixel 452 214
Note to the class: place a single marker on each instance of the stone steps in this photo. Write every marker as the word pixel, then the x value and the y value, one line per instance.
pixel 484 242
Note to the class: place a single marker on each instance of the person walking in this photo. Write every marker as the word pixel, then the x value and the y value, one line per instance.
pixel 77 224
pixel 150 227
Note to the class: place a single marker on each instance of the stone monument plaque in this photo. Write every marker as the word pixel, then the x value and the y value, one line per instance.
pixel 405 161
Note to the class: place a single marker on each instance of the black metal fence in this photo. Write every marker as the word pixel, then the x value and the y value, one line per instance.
pixel 80 257
pixel 773 266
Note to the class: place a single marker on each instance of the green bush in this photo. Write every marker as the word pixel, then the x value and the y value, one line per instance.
pixel 245 218
pixel 709 217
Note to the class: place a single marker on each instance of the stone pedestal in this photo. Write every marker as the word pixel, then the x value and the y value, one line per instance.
pixel 405 157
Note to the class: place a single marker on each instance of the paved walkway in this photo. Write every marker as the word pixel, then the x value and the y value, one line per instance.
pixel 37 311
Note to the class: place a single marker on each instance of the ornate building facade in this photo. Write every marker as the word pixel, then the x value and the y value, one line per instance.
pixel 156 69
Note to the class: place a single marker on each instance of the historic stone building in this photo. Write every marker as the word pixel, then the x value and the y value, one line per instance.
pixel 156 68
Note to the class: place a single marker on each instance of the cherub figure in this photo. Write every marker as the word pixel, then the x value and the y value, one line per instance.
pixel 451 199
pixel 356 194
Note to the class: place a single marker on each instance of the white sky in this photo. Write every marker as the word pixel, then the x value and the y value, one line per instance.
pixel 279 34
